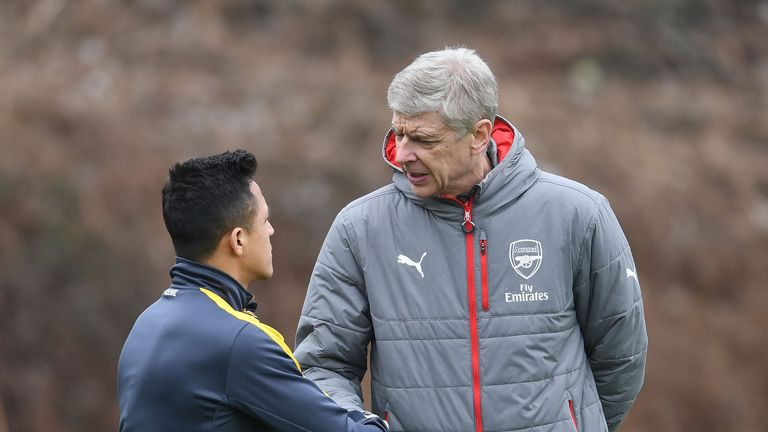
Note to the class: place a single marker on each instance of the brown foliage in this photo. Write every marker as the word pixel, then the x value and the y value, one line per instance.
pixel 662 106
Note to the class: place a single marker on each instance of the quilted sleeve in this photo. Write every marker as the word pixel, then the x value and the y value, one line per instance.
pixel 335 325
pixel 609 308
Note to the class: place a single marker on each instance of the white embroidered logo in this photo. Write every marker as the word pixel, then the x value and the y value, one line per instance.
pixel 527 293
pixel 525 257
pixel 402 259
pixel 632 273
pixel 170 292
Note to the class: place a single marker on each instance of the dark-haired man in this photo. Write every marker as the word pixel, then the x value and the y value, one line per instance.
pixel 198 359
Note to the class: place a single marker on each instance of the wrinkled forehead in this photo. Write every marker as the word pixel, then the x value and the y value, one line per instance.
pixel 428 122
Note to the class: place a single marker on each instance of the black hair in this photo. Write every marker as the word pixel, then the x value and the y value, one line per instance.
pixel 204 198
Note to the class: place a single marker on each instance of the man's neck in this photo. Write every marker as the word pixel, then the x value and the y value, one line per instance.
pixel 229 267
pixel 475 175
pixel 485 167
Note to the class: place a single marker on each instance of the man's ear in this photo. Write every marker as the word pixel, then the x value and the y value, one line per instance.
pixel 481 136
pixel 237 241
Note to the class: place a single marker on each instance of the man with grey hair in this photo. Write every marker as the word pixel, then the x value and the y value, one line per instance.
pixel 494 296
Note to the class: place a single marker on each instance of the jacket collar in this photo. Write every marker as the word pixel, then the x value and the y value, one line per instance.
pixel 188 274
pixel 514 171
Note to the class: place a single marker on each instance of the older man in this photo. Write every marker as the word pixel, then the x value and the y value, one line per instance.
pixel 494 296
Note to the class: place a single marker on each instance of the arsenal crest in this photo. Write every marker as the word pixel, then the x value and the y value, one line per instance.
pixel 525 257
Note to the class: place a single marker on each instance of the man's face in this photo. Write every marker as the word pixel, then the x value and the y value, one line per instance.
pixel 436 159
pixel 258 253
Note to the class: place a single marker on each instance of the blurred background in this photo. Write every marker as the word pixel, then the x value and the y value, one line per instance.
pixel 661 105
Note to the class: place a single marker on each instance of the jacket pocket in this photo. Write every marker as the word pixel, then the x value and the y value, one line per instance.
pixel 573 414
pixel 484 270
pixel 394 425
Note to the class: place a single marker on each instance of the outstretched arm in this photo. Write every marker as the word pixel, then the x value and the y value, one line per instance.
pixel 265 382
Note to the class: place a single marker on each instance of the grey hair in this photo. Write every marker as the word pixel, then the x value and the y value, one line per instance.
pixel 454 82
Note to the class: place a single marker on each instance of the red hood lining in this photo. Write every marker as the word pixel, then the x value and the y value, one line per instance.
pixel 503 135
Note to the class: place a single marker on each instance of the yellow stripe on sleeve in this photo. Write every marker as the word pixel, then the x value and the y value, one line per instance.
pixel 272 333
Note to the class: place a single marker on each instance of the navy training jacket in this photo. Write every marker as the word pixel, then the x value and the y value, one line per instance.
pixel 196 360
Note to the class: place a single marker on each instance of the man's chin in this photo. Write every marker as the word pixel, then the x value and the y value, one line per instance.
pixel 265 274
pixel 423 192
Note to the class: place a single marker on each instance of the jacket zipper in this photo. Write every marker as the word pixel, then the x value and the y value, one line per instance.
pixel 468 226
pixel 573 414
pixel 484 269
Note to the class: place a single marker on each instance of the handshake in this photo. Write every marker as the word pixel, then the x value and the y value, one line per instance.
pixel 369 418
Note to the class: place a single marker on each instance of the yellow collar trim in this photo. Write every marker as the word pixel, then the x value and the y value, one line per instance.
pixel 272 333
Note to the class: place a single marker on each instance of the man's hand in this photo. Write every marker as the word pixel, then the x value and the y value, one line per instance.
pixel 369 418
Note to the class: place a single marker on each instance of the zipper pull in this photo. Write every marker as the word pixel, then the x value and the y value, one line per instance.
pixel 468 226
pixel 484 270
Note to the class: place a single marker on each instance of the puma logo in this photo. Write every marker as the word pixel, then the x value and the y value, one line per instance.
pixel 631 273
pixel 402 259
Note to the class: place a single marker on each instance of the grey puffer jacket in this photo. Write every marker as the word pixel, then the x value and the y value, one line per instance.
pixel 518 309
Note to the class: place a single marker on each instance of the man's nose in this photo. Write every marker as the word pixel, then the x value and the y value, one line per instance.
pixel 404 152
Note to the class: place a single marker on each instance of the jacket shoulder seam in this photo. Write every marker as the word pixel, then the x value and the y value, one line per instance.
pixel 230 358
pixel 594 199
pixel 352 235
pixel 337 273
pixel 384 191
pixel 612 260
pixel 591 227
pixel 268 331
pixel 333 324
